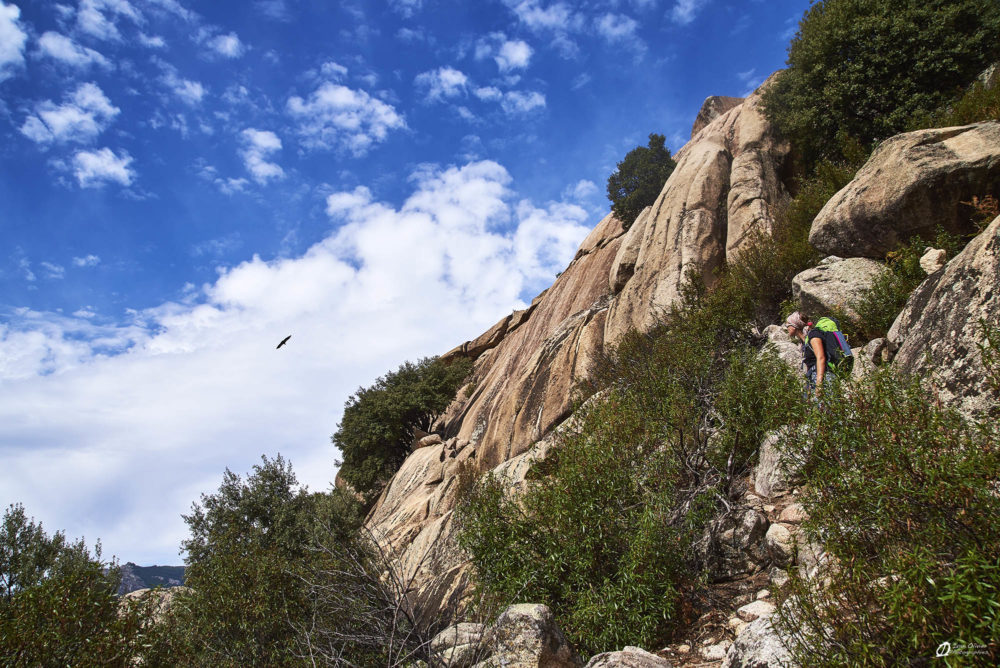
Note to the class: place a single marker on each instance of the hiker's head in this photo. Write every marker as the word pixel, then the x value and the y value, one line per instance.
pixel 795 324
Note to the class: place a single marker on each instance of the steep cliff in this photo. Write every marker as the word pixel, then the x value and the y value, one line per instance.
pixel 726 185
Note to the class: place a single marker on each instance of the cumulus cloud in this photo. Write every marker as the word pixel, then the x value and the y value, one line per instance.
pixel 257 146
pixel 12 40
pixel 89 260
pixel 227 46
pixel 99 18
pixel 59 47
pixel 406 8
pixel 685 11
pixel 520 102
pixel 54 271
pixel 616 27
pixel 94 169
pixel 86 113
pixel 338 117
pixel 508 54
pixel 442 83
pixel 194 387
pixel 557 20
pixel 189 92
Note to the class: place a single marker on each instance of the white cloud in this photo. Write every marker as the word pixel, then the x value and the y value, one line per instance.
pixel 99 18
pixel 489 93
pixel 228 46
pixel 192 388
pixel 94 169
pixel 89 260
pixel 406 8
pixel 65 50
pixel 54 271
pixel 442 83
pixel 190 92
pixel 12 40
pixel 152 41
pixel 333 71
pixel 518 102
pixel 685 11
pixel 750 81
pixel 257 146
pixel 86 113
pixel 336 116
pixel 556 17
pixel 508 54
pixel 616 27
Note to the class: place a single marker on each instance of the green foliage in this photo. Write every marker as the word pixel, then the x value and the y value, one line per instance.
pixel 249 545
pixel 978 103
pixel 879 304
pixel 58 603
pixel 603 533
pixel 639 178
pixel 376 431
pixel 903 493
pixel 865 68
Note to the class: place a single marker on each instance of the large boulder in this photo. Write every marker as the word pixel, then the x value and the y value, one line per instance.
pixel 944 322
pixel 776 471
pixel 630 657
pixel 834 284
pixel 912 184
pixel 758 645
pixel 527 636
pixel 788 350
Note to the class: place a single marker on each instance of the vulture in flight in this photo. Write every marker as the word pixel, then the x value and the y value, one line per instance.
pixel 284 341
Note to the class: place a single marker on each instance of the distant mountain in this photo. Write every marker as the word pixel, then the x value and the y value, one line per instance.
pixel 143 577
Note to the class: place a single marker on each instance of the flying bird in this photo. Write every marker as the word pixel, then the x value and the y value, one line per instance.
pixel 284 341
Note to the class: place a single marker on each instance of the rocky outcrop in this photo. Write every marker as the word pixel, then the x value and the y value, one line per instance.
pixel 913 183
pixel 726 184
pixel 833 285
pixel 713 107
pixel 527 636
pixel 758 645
pixel 944 324
pixel 630 657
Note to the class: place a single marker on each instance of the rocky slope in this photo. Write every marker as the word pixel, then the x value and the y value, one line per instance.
pixel 728 185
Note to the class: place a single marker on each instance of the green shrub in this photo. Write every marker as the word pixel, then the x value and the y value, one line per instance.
pixel 864 68
pixel 376 430
pixel 250 545
pixel 57 601
pixel 880 303
pixel 639 178
pixel 978 103
pixel 902 492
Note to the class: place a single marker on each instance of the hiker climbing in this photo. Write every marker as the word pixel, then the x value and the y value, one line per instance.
pixel 824 348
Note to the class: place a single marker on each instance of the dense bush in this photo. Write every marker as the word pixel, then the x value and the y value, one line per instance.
pixel 58 603
pixel 978 103
pixel 603 533
pixel 249 546
pixel 863 69
pixel 902 492
pixel 376 431
pixel 639 178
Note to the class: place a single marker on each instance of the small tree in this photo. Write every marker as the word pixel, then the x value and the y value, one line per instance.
pixel 377 428
pixel 58 603
pixel 250 543
pixel 639 179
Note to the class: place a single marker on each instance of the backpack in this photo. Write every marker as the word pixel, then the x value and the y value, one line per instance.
pixel 839 355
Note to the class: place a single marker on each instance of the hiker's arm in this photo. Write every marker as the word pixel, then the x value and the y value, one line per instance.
pixel 817 346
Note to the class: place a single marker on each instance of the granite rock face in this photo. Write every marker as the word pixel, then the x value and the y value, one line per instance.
pixel 941 329
pixel 834 284
pixel 727 184
pixel 912 184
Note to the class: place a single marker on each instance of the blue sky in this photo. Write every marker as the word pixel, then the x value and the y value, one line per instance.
pixel 184 184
